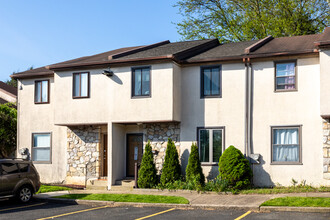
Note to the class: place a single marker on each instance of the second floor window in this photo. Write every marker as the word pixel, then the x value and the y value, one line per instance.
pixel 141 81
pixel 210 81
pixel 81 85
pixel 285 76
pixel 41 91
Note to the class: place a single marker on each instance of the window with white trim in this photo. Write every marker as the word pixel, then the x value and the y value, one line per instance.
pixel 41 147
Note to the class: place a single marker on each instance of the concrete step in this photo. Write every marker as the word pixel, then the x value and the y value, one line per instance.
pixel 97 183
pixel 126 182
pixel 121 188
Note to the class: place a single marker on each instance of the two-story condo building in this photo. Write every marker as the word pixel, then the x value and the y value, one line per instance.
pixel 89 118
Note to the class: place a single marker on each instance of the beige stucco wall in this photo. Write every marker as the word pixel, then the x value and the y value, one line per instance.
pixel 34 118
pixel 301 107
pixel 325 81
pixel 227 111
pixel 110 97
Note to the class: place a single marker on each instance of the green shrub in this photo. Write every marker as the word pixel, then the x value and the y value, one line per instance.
pixel 216 185
pixel 8 130
pixel 235 168
pixel 171 169
pixel 194 172
pixel 147 177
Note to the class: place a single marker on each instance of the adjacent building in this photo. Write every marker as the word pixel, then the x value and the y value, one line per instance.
pixel 7 93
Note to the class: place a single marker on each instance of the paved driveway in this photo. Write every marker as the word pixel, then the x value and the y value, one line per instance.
pixel 44 210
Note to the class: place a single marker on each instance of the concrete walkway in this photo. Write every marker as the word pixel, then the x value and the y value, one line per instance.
pixel 197 200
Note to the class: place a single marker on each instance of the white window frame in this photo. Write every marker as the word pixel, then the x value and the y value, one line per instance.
pixel 50 148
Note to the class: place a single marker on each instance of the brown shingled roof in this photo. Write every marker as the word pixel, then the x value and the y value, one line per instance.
pixel 197 51
pixel 304 43
pixel 9 89
pixel 223 51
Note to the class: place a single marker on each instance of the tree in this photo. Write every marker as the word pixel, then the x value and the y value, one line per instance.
pixel 147 172
pixel 235 169
pixel 13 82
pixel 194 172
pixel 171 169
pixel 8 129
pixel 239 20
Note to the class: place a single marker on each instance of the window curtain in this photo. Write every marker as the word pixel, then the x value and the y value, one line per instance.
pixel 84 84
pixel 286 145
pixel 137 82
pixel 44 91
pixel 145 82
pixel 37 92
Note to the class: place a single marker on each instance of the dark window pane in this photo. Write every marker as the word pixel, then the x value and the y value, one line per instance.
pixel 217 145
pixel 215 81
pixel 9 168
pixel 207 82
pixel 204 146
pixel 24 167
pixel 37 92
pixel 137 82
pixel 76 84
pixel 145 82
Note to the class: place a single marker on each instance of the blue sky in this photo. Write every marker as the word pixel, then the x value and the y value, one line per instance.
pixel 41 32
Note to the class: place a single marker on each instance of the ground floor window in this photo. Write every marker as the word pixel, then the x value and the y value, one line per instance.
pixel 211 144
pixel 41 147
pixel 286 144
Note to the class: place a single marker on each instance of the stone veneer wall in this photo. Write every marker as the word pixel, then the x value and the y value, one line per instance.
pixel 326 148
pixel 158 134
pixel 83 148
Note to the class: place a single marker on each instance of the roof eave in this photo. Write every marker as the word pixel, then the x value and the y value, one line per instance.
pixel 31 75
pixel 108 62
pixel 250 56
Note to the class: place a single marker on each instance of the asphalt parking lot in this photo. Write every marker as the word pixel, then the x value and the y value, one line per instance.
pixel 48 210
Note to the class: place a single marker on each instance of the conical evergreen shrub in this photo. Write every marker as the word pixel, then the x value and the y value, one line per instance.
pixel 194 172
pixel 147 177
pixel 171 169
pixel 235 169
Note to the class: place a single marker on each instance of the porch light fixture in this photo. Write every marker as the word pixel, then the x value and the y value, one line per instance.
pixel 108 73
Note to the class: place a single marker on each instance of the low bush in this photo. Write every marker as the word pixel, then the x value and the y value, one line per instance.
pixel 235 169
pixel 147 177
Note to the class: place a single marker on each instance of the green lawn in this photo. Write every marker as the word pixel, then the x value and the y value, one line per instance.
pixel 291 189
pixel 299 202
pixel 47 188
pixel 128 198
